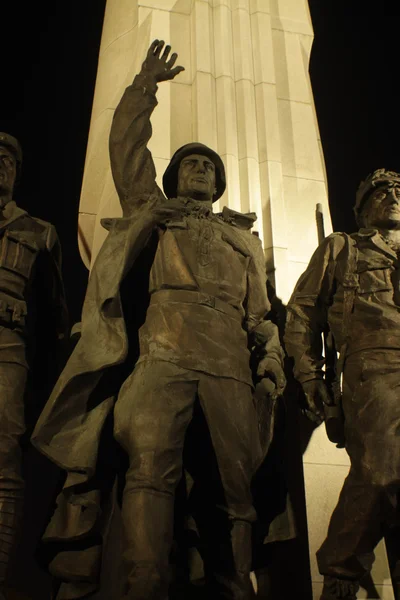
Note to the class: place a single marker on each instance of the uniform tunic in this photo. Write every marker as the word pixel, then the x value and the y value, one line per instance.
pixel 368 503
pixel 23 241
pixel 204 326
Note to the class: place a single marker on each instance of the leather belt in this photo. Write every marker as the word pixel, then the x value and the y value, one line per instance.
pixel 378 340
pixel 193 297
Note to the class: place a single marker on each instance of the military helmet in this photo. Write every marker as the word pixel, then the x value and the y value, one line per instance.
pixel 379 178
pixel 12 144
pixel 170 178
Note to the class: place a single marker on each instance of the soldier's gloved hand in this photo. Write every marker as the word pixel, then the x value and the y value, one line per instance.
pixel 169 210
pixel 160 66
pixel 271 368
pixel 316 397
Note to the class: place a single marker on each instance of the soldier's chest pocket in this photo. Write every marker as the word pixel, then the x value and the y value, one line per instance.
pixel 18 253
pixel 374 276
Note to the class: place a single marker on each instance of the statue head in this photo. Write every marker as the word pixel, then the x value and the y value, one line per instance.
pixel 195 171
pixel 378 200
pixel 10 163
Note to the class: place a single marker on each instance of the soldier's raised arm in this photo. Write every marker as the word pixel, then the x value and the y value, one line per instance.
pixel 131 161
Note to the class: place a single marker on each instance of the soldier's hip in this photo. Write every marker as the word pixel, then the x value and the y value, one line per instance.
pixel 371 405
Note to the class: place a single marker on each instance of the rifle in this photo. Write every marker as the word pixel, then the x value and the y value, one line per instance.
pixel 334 418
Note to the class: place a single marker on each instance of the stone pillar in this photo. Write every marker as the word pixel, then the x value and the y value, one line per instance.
pixel 246 93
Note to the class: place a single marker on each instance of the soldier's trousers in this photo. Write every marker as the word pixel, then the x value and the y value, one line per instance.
pixel 152 414
pixel 12 427
pixel 368 506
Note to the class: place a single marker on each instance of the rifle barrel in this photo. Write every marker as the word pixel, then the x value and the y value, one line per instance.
pixel 319 217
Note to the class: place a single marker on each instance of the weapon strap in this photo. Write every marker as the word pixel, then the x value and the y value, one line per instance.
pixel 350 285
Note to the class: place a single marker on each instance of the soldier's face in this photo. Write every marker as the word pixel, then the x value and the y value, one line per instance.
pixel 8 170
pixel 196 177
pixel 382 209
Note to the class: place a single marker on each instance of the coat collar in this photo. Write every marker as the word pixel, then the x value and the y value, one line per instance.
pixel 377 240
pixel 11 213
pixel 241 220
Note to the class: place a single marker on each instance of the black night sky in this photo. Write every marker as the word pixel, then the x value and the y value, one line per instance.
pixel 48 64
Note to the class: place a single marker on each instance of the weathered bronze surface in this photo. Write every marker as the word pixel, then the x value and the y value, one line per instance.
pixel 351 287
pixel 175 312
pixel 32 322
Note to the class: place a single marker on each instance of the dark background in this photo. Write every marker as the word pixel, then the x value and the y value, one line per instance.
pixel 354 72
pixel 48 62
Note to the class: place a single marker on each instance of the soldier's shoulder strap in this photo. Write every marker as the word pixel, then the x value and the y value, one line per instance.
pixel 237 219
pixel 350 279
pixel 350 283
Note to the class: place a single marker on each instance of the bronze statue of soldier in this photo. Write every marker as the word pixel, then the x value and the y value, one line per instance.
pixel 351 286
pixel 30 285
pixel 205 316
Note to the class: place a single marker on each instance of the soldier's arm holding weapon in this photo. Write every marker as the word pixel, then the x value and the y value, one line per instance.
pixel 333 411
pixel 307 322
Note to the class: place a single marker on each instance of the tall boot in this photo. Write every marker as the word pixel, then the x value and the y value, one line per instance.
pixel 10 522
pixel 339 589
pixel 232 564
pixel 148 521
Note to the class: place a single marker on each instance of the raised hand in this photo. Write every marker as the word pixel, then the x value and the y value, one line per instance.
pixel 161 66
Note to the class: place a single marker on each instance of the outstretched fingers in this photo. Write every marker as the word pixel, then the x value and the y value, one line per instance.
pixel 172 60
pixel 174 72
pixel 159 61
pixel 158 48
pixel 167 50
pixel 153 46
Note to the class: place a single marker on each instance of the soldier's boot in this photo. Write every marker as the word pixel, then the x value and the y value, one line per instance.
pixel 339 589
pixel 148 519
pixel 232 572
pixel 10 525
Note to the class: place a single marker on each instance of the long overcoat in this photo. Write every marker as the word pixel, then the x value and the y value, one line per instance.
pixel 69 428
pixel 77 415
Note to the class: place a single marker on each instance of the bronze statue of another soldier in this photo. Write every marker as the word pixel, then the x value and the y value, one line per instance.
pixel 352 287
pixel 30 285
pixel 204 319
